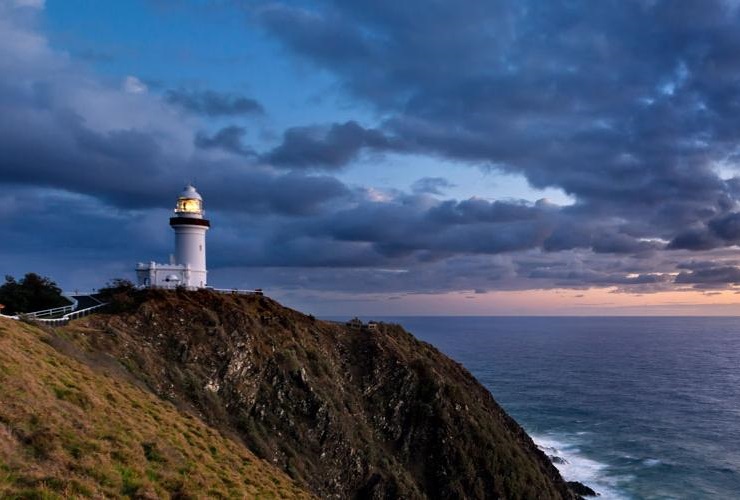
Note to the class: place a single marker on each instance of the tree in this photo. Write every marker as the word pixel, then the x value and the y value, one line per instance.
pixel 32 293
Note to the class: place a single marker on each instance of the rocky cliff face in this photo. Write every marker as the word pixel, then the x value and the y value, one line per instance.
pixel 346 413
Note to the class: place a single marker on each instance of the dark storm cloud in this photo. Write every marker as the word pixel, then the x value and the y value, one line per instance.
pixel 622 243
pixel 408 230
pixel 212 103
pixel 228 138
pixel 581 232
pixel 479 210
pixel 571 278
pixel 624 105
pixel 291 194
pixel 694 239
pixel 700 265
pixel 327 147
pixel 727 227
pixel 719 231
pixel 60 152
pixel 711 276
pixel 407 225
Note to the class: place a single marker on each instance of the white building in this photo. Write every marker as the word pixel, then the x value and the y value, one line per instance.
pixel 187 267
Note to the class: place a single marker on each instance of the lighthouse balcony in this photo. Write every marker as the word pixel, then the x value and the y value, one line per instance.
pixel 182 220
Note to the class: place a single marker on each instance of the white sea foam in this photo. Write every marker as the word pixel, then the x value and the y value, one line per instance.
pixel 577 467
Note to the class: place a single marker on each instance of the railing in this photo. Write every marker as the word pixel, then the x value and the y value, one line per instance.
pixel 237 291
pixel 67 317
pixel 68 313
pixel 79 293
pixel 56 310
pixel 71 299
pixel 51 312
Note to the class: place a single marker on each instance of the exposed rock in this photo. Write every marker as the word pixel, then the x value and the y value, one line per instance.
pixel 347 413
pixel 581 489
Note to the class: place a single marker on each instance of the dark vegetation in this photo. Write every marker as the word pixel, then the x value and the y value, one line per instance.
pixel 119 294
pixel 31 293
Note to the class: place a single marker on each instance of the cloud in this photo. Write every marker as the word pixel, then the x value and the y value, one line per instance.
pixel 627 116
pixel 228 139
pixel 628 108
pixel 723 230
pixel 694 239
pixel 133 85
pixel 717 276
pixel 330 147
pixel 61 128
pixel 214 104
pixel 726 227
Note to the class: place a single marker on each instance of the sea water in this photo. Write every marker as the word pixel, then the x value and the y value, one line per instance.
pixel 635 407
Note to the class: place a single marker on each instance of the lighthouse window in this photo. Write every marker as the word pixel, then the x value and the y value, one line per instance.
pixel 201 247
pixel 188 205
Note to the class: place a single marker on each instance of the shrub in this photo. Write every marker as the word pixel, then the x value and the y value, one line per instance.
pixel 119 294
pixel 32 293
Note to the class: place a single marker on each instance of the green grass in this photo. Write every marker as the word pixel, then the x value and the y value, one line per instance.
pixel 69 431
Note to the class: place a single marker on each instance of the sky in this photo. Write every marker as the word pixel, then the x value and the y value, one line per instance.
pixel 480 157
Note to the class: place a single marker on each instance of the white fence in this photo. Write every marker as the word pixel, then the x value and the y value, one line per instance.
pixel 62 320
pixel 69 317
pixel 237 291
pixel 51 312
pixel 56 311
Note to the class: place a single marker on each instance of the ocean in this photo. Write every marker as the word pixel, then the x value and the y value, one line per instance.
pixel 637 408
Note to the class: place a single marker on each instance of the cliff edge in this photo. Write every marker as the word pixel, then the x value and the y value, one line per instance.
pixel 344 413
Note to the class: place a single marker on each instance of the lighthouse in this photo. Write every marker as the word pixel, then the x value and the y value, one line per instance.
pixel 187 266
pixel 190 236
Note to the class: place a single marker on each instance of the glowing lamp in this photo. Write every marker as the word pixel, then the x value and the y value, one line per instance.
pixel 189 206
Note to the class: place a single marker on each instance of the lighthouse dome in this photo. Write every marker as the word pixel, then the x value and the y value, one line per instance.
pixel 189 203
pixel 191 193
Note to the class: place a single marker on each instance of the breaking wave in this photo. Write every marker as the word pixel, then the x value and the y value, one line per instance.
pixel 574 466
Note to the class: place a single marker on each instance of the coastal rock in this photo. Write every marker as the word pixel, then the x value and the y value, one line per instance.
pixel 581 489
pixel 346 413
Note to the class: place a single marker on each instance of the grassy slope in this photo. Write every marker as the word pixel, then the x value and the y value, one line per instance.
pixel 69 430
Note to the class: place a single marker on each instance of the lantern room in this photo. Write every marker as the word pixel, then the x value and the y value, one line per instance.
pixel 189 203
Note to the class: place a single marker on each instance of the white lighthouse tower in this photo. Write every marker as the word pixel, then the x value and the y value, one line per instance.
pixel 187 267
pixel 190 236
